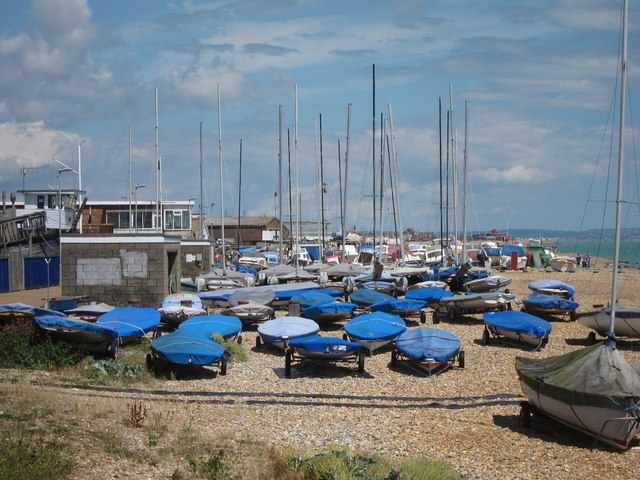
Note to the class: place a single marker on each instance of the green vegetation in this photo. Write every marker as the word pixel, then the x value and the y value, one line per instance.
pixel 235 352
pixel 28 458
pixel 21 347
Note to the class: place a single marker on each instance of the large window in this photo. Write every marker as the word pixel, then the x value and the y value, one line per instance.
pixel 177 220
pixel 120 219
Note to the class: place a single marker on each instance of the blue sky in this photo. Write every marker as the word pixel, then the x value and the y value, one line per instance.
pixel 539 76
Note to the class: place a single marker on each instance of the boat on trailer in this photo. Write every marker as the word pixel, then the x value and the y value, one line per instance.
pixel 375 330
pixel 186 349
pixel 88 336
pixel 539 303
pixel 486 284
pixel 403 307
pixel 553 287
pixel 428 350
pixel 320 307
pixel 473 303
pixel 280 331
pixel 516 326
pixel 131 323
pixel 177 307
pixel 328 349
pixel 627 322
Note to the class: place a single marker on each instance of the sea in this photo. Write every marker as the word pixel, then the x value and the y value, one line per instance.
pixel 629 249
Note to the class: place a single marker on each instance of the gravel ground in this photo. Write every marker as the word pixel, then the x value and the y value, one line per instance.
pixel 468 417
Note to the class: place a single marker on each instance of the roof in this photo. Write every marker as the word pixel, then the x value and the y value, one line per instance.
pixel 244 221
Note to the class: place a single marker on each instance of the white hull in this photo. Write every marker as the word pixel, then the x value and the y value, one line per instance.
pixel 563 264
pixel 614 427
pixel 516 336
pixel 371 346
pixel 623 327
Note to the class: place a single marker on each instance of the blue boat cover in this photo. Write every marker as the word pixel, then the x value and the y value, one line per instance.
pixel 429 295
pixel 318 344
pixel 243 269
pixel 218 295
pixel 23 308
pixel 283 295
pixel 70 323
pixel 131 321
pixel 365 298
pixel 206 326
pixel 307 299
pixel 186 349
pixel 550 302
pixel 519 322
pixel 507 249
pixel 176 299
pixel 389 306
pixel 542 284
pixel 423 343
pixel 284 328
pixel 441 274
pixel 317 310
pixel 376 326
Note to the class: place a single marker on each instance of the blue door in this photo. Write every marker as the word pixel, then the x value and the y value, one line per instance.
pixel 4 274
pixel 41 272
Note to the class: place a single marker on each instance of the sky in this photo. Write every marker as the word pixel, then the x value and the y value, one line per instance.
pixel 539 79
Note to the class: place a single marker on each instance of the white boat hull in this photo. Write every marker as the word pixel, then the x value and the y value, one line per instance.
pixel 516 336
pixel 611 426
pixel 623 327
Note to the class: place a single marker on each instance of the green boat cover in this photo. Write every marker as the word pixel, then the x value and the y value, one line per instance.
pixel 595 376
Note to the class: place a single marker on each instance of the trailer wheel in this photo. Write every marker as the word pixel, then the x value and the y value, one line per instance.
pixel 572 316
pixel 258 342
pixel 435 318
pixel 525 415
pixel 345 336
pixel 591 338
pixel 486 337
pixel 423 316
pixel 361 362
pixel 149 362
pixel 239 340
pixel 394 358
pixel 461 358
pixel 452 314
pixel 223 365
pixel 287 363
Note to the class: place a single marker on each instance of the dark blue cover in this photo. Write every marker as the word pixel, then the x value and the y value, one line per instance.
pixel 313 297
pixel 130 321
pixel 318 344
pixel 425 342
pixel 316 311
pixel 70 323
pixel 441 274
pixel 377 326
pixel 223 294
pixel 507 249
pixel 23 308
pixel 283 295
pixel 365 298
pixel 185 349
pixel 429 295
pixel 519 322
pixel 397 304
pixel 285 328
pixel 549 302
pixel 206 326
pixel 541 284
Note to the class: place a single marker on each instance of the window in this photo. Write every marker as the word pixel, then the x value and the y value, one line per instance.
pixel 51 201
pixel 40 201
pixel 177 220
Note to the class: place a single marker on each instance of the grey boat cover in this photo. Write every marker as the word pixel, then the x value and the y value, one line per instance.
pixel 342 270
pixel 595 376
pixel 487 284
pixel 245 309
pixel 261 296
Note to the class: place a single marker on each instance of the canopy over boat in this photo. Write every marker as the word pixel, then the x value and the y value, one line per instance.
pixel 187 299
pixel 24 309
pixel 546 286
pixel 424 343
pixel 77 331
pixel 207 326
pixel 329 310
pixel 308 299
pixel 429 295
pixel 286 328
pixel 364 297
pixel 596 376
pixel 518 322
pixel 398 305
pixel 486 284
pixel 262 296
pixel 130 321
pixel 375 327
pixel 549 302
pixel 184 348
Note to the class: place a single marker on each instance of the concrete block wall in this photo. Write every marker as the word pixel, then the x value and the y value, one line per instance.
pixel 119 270
pixel 195 257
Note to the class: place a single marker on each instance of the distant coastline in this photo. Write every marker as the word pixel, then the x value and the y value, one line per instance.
pixel 629 250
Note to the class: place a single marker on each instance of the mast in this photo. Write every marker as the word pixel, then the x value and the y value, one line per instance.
pixel 393 157
pixel 321 194
pixel 201 213
pixel 440 171
pixel 280 182
pixel 221 182
pixel 295 161
pixel 382 135
pixel 158 176
pixel 130 208
pixel 373 151
pixel 340 190
pixel 290 197
pixel 346 182
pixel 464 186
pixel 239 194
pixel 454 173
pixel 616 250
